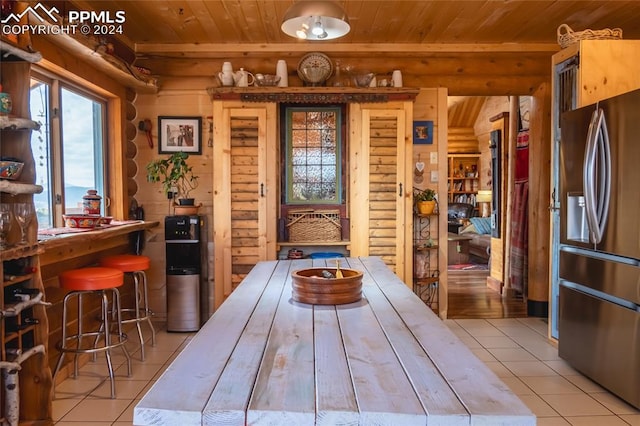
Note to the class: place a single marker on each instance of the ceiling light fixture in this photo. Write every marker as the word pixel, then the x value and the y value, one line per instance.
pixel 326 20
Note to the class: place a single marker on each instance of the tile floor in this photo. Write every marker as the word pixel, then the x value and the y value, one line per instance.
pixel 517 350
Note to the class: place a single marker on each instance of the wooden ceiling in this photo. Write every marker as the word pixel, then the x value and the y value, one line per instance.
pixel 435 43
pixel 376 22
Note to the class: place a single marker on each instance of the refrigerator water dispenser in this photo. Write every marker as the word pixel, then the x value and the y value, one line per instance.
pixel 577 229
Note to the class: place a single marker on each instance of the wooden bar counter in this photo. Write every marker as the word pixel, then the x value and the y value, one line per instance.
pixel 263 359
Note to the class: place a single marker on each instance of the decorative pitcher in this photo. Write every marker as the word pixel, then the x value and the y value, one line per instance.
pixel 243 78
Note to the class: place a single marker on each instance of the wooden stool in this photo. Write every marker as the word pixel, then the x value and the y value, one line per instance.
pixel 93 281
pixel 135 265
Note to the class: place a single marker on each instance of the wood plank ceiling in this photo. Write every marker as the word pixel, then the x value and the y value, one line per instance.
pixel 472 47
pixel 376 22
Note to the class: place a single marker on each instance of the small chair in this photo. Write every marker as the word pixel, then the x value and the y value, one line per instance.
pixel 456 213
pixel 93 281
pixel 135 265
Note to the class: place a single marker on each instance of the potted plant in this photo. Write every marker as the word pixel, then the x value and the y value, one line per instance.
pixel 175 175
pixel 425 200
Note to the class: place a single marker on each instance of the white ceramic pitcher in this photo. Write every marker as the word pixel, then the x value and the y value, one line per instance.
pixel 243 78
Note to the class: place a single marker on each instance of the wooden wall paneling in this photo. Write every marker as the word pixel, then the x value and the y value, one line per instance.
pixel 489 73
pixel 432 105
pixel 539 196
pixel 462 140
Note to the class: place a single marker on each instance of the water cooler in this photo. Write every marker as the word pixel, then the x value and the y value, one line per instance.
pixel 186 248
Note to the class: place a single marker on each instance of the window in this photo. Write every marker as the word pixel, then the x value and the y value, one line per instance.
pixel 68 149
pixel 313 155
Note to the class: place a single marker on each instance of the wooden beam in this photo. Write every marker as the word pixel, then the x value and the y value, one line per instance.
pixel 268 49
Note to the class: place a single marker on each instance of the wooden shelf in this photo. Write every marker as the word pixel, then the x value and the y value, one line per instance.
pixel 9 49
pixel 313 94
pixel 425 248
pixel 425 281
pixel 19 251
pixel 314 243
pixel 17 123
pixel 16 188
pixel 91 51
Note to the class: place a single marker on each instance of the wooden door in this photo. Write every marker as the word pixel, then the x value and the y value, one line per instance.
pixel 380 184
pixel 244 191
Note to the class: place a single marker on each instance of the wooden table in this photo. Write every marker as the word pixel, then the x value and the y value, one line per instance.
pixel 388 359
pixel 458 248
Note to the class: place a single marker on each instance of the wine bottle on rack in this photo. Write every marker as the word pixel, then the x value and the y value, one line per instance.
pixel 20 293
pixel 25 290
pixel 27 322
pixel 28 340
pixel 13 326
pixel 19 267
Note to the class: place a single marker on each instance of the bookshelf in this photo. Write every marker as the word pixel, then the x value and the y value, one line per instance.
pixel 463 180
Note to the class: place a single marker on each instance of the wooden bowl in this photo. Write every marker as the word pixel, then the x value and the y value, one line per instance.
pixel 309 286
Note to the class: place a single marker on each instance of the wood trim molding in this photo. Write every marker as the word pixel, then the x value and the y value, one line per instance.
pixel 316 95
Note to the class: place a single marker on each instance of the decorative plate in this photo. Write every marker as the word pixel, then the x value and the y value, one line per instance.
pixel 315 60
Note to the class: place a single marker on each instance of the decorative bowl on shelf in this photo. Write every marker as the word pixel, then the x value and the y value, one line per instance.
pixel 105 220
pixel 315 75
pixel 310 286
pixel 82 220
pixel 267 80
pixel 363 80
pixel 10 168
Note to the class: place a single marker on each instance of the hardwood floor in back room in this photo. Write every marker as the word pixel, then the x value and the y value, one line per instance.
pixel 469 297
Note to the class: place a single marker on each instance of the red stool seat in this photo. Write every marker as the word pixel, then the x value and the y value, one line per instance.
pixel 88 279
pixel 126 262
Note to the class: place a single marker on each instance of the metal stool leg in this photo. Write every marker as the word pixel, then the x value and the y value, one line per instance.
pixel 142 313
pixel 107 341
pixel 121 335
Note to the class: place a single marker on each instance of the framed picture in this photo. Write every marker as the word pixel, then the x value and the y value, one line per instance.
pixel 180 134
pixel 423 132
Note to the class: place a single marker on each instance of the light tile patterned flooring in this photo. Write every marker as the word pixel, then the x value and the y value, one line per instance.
pixel 517 350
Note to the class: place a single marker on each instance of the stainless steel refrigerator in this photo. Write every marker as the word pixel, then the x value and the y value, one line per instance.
pixel 599 251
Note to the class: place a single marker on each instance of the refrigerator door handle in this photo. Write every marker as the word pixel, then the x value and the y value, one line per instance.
pixel 597 176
